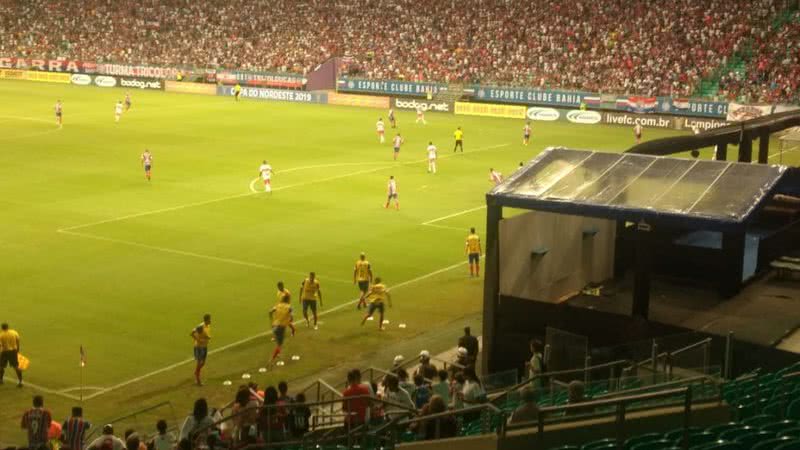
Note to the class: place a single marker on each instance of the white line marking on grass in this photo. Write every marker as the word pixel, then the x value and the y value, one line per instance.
pixel 52 391
pixel 195 255
pixel 258 336
pixel 444 227
pixel 277 189
pixel 784 151
pixel 78 388
pixel 31 119
pixel 439 219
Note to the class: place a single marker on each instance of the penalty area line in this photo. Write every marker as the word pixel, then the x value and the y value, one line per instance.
pixel 456 214
pixel 256 336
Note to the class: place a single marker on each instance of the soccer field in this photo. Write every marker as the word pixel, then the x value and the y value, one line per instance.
pixel 95 255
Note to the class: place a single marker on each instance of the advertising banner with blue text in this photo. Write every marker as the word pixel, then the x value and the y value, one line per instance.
pixel 276 94
pixel 529 96
pixel 692 107
pixel 389 87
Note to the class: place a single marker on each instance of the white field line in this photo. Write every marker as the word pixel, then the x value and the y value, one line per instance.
pixel 797 147
pixel 196 255
pixel 52 391
pixel 439 219
pixel 444 227
pixel 78 388
pixel 258 336
pixel 280 188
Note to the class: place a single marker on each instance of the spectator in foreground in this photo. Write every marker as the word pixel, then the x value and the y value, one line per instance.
pixel 447 426
pixel 355 408
pixel 536 364
pixel 162 440
pixel 283 393
pixel 37 421
pixel 422 391
pixel 400 399
pixel 442 387
pixel 198 423
pixel 469 342
pixel 245 416
pixel 73 430
pixel 474 394
pixel 457 391
pixel 576 394
pixel 271 420
pixel 426 368
pixel 107 441
pixel 405 384
pixel 299 417
pixel 528 411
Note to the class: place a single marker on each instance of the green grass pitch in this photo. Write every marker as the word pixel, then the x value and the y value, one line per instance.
pixel 95 255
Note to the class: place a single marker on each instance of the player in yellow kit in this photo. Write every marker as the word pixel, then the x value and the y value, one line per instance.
pixel 281 316
pixel 362 274
pixel 473 250
pixel 459 136
pixel 201 335
pixel 377 295
pixel 310 294
pixel 284 293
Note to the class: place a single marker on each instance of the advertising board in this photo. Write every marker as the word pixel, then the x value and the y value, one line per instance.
pixel 364 101
pixel 491 110
pixel 190 88
pixel 425 105
pixel 280 95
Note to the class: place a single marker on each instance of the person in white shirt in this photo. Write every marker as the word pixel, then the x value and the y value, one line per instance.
pixel 265 170
pixel 163 440
pixel 379 128
pixel 391 190
pixel 637 131
pixel 393 393
pixel 421 115
pixel 431 158
pixel 118 111
pixel 107 441
pixel 397 142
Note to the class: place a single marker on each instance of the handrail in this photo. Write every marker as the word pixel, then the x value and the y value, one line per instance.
pixel 217 423
pixel 658 386
pixel 529 380
pixel 128 416
pixel 691 346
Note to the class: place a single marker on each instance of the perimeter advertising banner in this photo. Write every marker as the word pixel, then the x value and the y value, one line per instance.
pixel 692 107
pixel 130 70
pixel 364 101
pixel 12 74
pixel 276 94
pixel 491 110
pixel 389 87
pixel 738 112
pixel 286 81
pixel 48 65
pixel 190 88
pixel 425 105
pixel 530 96
pixel 105 81
pixel 47 77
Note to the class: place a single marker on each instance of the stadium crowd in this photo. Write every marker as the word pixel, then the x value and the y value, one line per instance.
pixel 773 74
pixel 601 45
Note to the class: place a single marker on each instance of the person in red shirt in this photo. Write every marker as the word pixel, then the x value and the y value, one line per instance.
pixel 355 408
pixel 37 421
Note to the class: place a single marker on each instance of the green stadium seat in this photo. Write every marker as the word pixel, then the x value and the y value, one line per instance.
pixel 697 439
pixel 653 445
pixel 649 437
pixel 719 429
pixel 771 444
pixel 791 445
pixel 678 433
pixel 734 433
pixel 759 420
pixel 719 445
pixel 791 432
pixel 599 444
pixel 793 411
pixel 749 440
pixel 777 427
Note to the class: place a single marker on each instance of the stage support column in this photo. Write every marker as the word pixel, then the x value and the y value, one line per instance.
pixel 732 263
pixel 491 280
pixel 721 152
pixel 763 147
pixel 746 149
pixel 643 255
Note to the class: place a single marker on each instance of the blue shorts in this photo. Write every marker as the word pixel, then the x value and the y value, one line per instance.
pixel 312 304
pixel 474 258
pixel 396 149
pixel 200 353
pixel 147 168
pixel 280 334
pixel 373 307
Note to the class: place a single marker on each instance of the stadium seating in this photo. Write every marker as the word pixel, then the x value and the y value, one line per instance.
pixel 600 46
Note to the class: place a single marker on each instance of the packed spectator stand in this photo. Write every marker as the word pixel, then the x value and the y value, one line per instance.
pixel 610 46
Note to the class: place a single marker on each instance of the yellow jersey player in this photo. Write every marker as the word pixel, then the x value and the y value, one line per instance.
pixel 362 275
pixel 281 316
pixel 237 91
pixel 284 293
pixel 310 294
pixel 473 251
pixel 459 136
pixel 377 296
pixel 201 335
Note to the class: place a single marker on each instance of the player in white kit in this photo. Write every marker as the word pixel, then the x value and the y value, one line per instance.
pixel 265 170
pixel 420 115
pixel 396 143
pixel 495 177
pixel 147 163
pixel 379 128
pixel 637 131
pixel 59 113
pixel 118 111
pixel 431 158
pixel 391 190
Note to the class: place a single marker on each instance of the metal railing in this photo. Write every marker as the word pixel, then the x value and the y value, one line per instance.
pixel 620 408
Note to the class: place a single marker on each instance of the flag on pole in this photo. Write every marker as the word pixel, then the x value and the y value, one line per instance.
pixel 22 362
pixel 83 357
